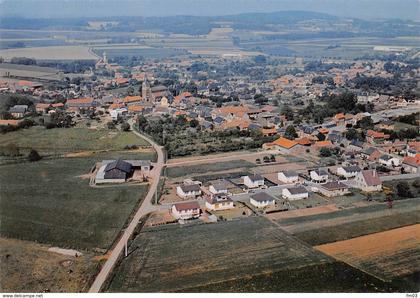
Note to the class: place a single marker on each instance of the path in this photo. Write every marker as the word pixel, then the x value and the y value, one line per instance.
pixel 144 208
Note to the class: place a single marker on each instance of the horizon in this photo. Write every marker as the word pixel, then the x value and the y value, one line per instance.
pixel 53 9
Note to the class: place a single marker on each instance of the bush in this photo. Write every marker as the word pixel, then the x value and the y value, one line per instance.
pixel 403 190
pixel 110 125
pixel 125 126
pixel 34 156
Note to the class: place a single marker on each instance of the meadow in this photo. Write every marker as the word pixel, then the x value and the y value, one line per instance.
pixel 74 139
pixel 49 202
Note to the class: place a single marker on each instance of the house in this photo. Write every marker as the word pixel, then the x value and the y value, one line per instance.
pixel 117 113
pixel 368 180
pixel 187 210
pixel 219 202
pixel 411 164
pixel 262 199
pixel 80 103
pixel 333 189
pixel 288 177
pixel 42 107
pixel 370 153
pixel 254 181
pixel 188 190
pixel 282 144
pixel 375 137
pixel 348 172
pixel 389 161
pixel 117 171
pixel 18 111
pixel 295 193
pixel 319 176
pixel 218 187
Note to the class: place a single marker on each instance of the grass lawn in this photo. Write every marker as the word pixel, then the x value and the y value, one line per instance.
pixel 62 140
pixel 176 172
pixel 47 202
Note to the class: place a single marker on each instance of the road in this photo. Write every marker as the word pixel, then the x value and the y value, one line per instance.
pixel 144 208
pixel 399 177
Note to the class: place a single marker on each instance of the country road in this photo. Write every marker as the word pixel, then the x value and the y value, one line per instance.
pixel 144 208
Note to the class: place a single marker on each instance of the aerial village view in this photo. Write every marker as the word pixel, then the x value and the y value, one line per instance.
pixel 259 151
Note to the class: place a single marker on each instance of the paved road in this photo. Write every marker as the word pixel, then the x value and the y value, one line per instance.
pixel 144 208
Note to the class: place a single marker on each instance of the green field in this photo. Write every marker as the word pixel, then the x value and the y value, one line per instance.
pixel 176 172
pixel 48 202
pixel 63 140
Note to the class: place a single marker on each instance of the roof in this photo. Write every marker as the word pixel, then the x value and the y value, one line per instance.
pixel 190 187
pixel 10 122
pixel 320 172
pixel 120 165
pixel 187 206
pixel 334 185
pixel 304 141
pixel 371 177
pixel 255 177
pixel 352 169
pixel 218 199
pixel 323 143
pixel 386 157
pixel 262 197
pixel 289 173
pixel 297 190
pixel 285 143
pixel 412 161
pixel 376 134
pixel 220 185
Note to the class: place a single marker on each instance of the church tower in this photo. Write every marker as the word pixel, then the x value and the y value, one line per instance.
pixel 146 91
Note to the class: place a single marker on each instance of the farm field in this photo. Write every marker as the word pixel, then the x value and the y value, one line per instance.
pixel 57 206
pixel 144 51
pixel 51 53
pixel 353 222
pixel 75 139
pixel 174 258
pixel 30 267
pixel 176 172
pixel 387 255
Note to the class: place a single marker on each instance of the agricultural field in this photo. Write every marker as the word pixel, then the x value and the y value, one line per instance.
pixel 327 227
pixel 69 52
pixel 387 255
pixel 57 206
pixel 143 51
pixel 176 172
pixel 30 267
pixel 75 139
pixel 174 257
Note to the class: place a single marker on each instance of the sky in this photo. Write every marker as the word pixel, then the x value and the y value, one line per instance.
pixel 367 9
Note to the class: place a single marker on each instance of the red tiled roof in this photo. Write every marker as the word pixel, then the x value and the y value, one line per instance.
pixel 285 143
pixel 371 177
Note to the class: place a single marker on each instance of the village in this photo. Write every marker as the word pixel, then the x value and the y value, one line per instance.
pixel 139 155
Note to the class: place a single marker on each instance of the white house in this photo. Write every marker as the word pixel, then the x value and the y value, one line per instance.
pixel 319 176
pixel 295 193
pixel 218 187
pixel 411 164
pixel 188 190
pixel 254 181
pixel 368 180
pixel 219 202
pixel 288 177
pixel 333 189
pixel 115 113
pixel 389 160
pixel 348 172
pixel 187 210
pixel 262 199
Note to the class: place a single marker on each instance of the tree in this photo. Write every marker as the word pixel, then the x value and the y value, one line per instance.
pixel 125 126
pixel 194 123
pixel 34 156
pixel 403 190
pixel 290 133
pixel 325 152
pixel 288 113
pixel 110 125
